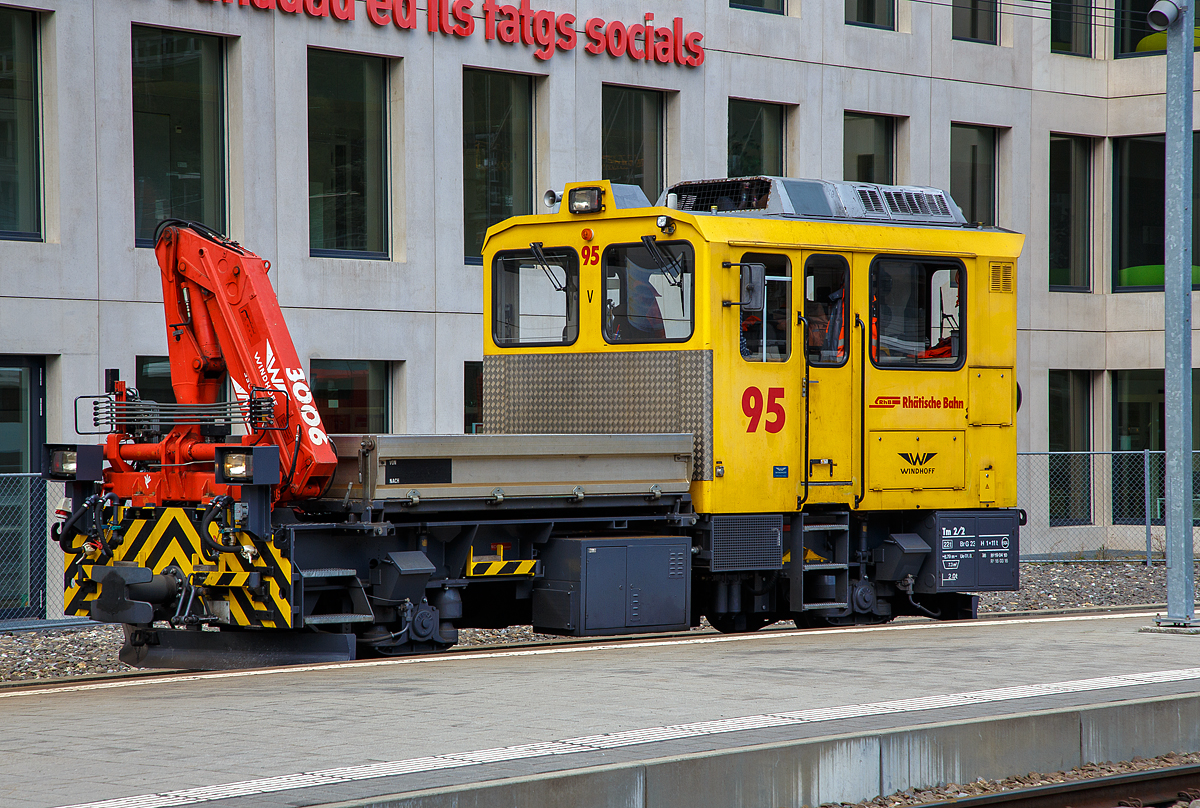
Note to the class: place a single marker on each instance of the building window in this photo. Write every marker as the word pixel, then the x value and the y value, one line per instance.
pixel 178 131
pixel 1070 206
pixel 347 156
pixel 975 21
pixel 472 397
pixel 497 152
pixel 867 148
pixel 915 314
pixel 1070 479
pixel 152 377
pixel 351 395
pixel 648 294
pixel 20 173
pixel 631 140
pixel 1071 27
pixel 766 336
pixel 773 6
pixel 1138 412
pixel 973 171
pixel 23 504
pixel 1139 218
pixel 875 13
pixel 755 139
pixel 1134 36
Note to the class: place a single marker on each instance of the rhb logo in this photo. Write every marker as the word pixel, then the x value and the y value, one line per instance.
pixel 885 403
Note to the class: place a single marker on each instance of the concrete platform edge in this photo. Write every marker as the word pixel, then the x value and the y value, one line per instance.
pixel 843 768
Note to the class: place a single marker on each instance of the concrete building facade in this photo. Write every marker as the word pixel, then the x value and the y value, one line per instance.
pixel 78 295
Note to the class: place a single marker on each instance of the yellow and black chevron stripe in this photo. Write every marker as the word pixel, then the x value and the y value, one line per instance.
pixel 258 591
pixel 488 566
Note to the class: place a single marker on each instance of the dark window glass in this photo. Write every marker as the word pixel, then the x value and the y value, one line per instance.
pixel 825 308
pixel 152 377
pixel 20 174
pixel 1139 218
pixel 648 296
pixel 1139 410
pixel 1070 411
pixel 975 20
pixel 351 395
pixel 766 336
pixel 1070 208
pixel 1070 474
pixel 535 302
pixel 867 148
pixel 1134 35
pixel 973 171
pixel 631 138
pixel 915 314
pixel 497 152
pixel 755 139
pixel 472 397
pixel 775 6
pixel 876 13
pixel 347 174
pixel 178 131
pixel 22 499
pixel 1071 27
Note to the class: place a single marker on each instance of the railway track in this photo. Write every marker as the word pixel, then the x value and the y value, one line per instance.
pixel 1157 787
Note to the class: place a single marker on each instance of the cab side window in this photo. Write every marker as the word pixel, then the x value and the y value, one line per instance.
pixel 766 336
pixel 916 313
pixel 826 309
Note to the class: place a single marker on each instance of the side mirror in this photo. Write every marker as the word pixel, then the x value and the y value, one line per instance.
pixel 754 287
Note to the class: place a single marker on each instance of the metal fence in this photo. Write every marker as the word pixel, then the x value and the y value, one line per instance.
pixel 1096 505
pixel 31 566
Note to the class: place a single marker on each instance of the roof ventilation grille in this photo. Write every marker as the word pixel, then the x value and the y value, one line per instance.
pixel 871 201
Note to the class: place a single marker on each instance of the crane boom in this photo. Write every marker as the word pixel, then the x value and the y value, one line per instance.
pixel 222 316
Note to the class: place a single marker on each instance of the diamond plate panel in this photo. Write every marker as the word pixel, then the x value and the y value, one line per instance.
pixel 633 392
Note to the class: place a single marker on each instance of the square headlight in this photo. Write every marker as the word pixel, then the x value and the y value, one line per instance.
pixel 63 463
pixel 238 466
pixel 585 200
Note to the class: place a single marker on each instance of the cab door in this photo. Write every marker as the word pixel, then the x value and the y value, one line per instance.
pixel 830 397
pixel 761 414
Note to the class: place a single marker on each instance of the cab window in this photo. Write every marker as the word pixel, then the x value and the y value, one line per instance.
pixel 535 297
pixel 648 292
pixel 766 336
pixel 916 309
pixel 825 309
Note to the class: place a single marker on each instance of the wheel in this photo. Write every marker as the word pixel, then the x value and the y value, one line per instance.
pixel 740 623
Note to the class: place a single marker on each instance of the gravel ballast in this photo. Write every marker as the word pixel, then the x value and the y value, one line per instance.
pixel 92 650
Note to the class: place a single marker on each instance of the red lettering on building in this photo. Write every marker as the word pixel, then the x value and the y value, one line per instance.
pixel 543 30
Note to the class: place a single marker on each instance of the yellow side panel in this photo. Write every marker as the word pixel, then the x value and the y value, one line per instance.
pixel 990 396
pixel 916 460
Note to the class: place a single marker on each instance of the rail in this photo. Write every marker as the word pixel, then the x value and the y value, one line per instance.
pixel 1155 787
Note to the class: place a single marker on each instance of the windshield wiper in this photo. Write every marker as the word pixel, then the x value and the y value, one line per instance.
pixel 669 267
pixel 540 257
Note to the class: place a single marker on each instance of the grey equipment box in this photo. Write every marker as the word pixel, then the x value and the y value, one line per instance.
pixel 973 551
pixel 597 586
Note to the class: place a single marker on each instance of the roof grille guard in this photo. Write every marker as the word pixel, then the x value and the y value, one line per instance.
pixel 752 193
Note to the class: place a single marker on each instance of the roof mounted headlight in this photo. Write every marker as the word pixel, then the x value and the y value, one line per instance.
pixel 585 200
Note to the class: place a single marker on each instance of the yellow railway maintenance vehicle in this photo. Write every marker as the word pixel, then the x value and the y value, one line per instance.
pixel 842 353
pixel 761 399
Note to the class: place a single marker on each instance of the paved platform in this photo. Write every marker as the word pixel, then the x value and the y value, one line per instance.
pixel 321 734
